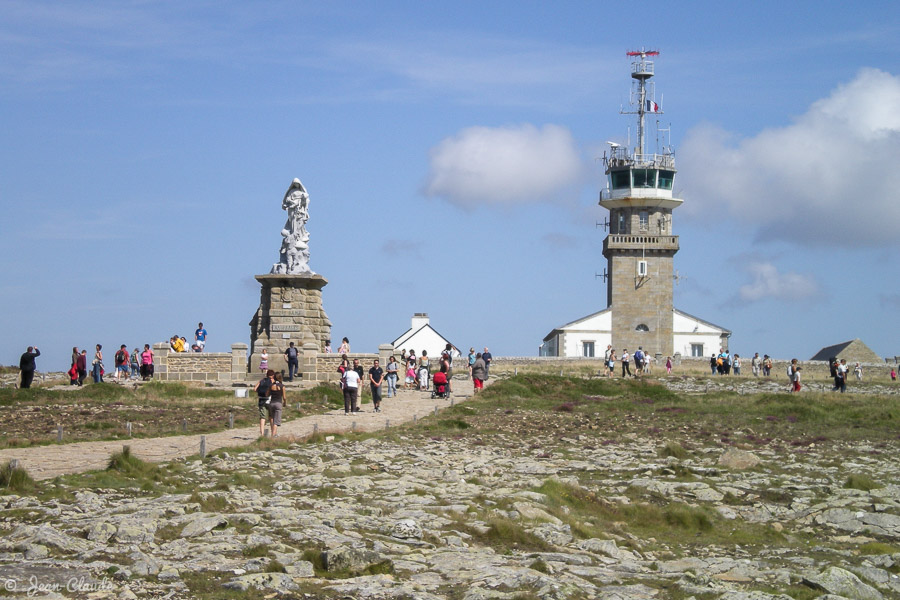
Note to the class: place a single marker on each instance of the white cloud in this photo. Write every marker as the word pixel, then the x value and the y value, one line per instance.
pixel 767 282
pixel 504 165
pixel 828 178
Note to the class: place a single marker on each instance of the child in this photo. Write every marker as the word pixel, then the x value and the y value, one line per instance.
pixel 410 377
pixel 796 387
pixel 893 374
pixel 669 365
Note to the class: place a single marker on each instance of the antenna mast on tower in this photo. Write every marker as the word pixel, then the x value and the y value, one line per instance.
pixel 642 72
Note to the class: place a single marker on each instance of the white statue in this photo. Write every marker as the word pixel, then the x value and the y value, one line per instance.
pixel 294 255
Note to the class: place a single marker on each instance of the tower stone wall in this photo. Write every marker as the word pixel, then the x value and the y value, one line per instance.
pixel 290 310
pixel 641 302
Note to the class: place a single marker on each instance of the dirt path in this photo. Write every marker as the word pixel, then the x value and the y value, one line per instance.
pixel 46 462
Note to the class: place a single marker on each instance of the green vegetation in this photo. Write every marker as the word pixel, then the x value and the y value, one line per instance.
pixel 16 480
pixel 859 481
pixel 256 551
pixel 871 548
pixel 673 449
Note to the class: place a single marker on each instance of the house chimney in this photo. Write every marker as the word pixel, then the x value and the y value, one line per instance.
pixel 419 320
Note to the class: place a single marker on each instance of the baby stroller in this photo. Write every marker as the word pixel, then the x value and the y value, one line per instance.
pixel 439 386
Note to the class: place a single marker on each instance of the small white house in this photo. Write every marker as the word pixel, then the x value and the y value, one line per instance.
pixel 422 336
pixel 589 336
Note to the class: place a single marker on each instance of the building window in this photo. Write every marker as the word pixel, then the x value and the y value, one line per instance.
pixel 620 179
pixel 642 327
pixel 697 350
pixel 587 349
pixel 644 178
pixel 621 228
pixel 645 220
pixel 665 179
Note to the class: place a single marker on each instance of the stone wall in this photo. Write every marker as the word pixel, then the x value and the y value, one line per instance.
pixel 199 366
pixel 696 366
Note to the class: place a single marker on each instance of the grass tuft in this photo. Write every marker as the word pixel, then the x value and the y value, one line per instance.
pixel 16 479
pixel 128 464
pixel 858 481
pixel 673 449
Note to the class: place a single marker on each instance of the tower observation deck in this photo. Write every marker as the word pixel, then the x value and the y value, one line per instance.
pixel 641 245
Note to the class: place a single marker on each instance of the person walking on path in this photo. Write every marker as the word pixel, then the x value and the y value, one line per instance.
pixel 392 373
pixel 611 364
pixel 121 359
pixel 262 388
pixel 276 404
pixel 793 373
pixel 471 358
pixel 146 363
pixel 264 361
pixel 668 365
pixel 81 365
pixel 350 384
pixel 97 364
pixel 626 361
pixel 840 376
pixel 447 357
pixel 73 370
pixel 488 358
pixel 376 376
pixel 857 370
pixel 135 363
pixel 479 372
pixel 27 366
pixel 292 357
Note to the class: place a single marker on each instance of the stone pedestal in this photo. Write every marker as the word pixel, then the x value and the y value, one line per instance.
pixel 290 310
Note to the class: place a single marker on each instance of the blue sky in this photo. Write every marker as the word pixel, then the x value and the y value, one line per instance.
pixel 449 150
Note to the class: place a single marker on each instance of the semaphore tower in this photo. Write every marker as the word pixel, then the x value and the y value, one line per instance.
pixel 641 246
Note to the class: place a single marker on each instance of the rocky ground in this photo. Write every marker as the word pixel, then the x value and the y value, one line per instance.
pixel 478 503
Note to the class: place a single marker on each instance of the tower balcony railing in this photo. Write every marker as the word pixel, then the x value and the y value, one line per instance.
pixel 615 241
pixel 642 67
pixel 620 157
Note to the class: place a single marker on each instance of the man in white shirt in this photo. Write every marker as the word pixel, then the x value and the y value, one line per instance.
pixel 350 384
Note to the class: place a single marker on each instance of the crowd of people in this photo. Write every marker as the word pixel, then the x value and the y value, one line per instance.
pixel 126 364
pixel 180 344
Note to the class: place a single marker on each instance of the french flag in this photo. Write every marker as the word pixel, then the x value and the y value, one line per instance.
pixel 652 106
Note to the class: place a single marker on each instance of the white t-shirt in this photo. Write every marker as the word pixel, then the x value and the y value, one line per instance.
pixel 351 379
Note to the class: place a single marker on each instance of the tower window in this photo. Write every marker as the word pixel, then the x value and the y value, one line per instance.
pixel 621 228
pixel 620 179
pixel 642 327
pixel 644 220
pixel 665 179
pixel 644 178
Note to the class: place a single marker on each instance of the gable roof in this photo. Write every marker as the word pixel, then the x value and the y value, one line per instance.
pixel 411 333
pixel 559 329
pixel 854 350
pixel 707 323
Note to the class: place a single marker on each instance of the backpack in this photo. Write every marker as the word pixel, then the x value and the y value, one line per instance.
pixel 263 390
pixel 121 357
pixel 292 353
